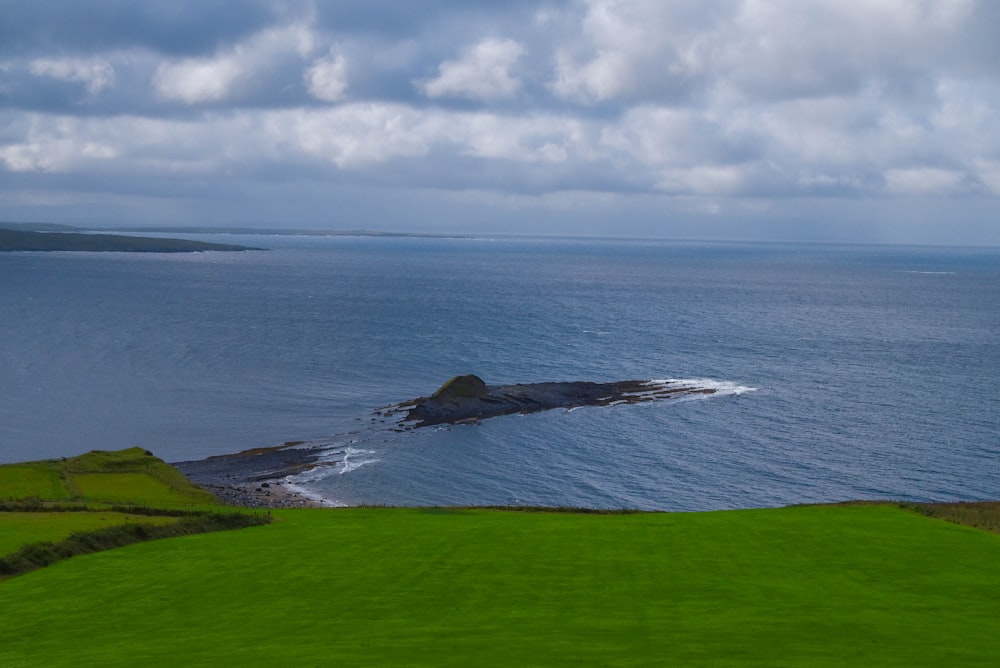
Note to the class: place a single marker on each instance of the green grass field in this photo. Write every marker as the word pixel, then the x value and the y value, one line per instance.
pixel 867 585
pixel 131 476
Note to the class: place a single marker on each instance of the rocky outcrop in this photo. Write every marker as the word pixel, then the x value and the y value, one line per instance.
pixel 242 478
pixel 465 399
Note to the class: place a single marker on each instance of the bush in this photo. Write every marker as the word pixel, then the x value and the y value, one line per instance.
pixel 39 555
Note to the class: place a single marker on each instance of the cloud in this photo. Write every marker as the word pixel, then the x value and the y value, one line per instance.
pixel 53 155
pixel 216 77
pixel 95 73
pixel 198 80
pixel 708 107
pixel 923 181
pixel 326 79
pixel 762 50
pixel 483 72
pixel 644 48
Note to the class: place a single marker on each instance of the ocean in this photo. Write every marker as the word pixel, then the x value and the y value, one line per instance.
pixel 843 372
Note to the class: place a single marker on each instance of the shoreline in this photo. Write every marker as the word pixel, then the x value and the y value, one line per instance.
pixel 268 495
pixel 258 478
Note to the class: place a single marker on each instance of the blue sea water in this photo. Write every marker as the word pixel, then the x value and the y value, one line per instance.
pixel 875 370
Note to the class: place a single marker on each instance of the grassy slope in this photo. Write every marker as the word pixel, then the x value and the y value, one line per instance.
pixel 123 476
pixel 856 585
pixel 128 477
pixel 36 479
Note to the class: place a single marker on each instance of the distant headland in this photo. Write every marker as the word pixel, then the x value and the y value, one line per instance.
pixel 277 231
pixel 55 237
pixel 21 239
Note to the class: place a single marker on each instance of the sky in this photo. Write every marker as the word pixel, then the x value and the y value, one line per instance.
pixel 826 120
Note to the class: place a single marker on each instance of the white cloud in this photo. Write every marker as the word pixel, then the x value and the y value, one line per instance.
pixel 355 136
pixel 641 48
pixel 198 80
pixel 923 181
pixel 95 73
pixel 53 154
pixel 326 79
pixel 483 73
pixel 656 135
pixel 764 49
pixel 363 135
pixel 606 76
pixel 704 180
pixel 216 78
pixel 350 136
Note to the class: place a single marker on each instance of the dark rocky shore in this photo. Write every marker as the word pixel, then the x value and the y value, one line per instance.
pixel 256 477
pixel 253 477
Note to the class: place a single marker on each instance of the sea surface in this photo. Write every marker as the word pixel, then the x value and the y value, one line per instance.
pixel 844 372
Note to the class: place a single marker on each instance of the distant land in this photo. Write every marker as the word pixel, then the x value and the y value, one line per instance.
pixel 113 239
pixel 179 229
pixel 43 237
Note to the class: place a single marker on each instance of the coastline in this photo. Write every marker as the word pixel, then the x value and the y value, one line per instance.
pixel 268 495
pixel 258 478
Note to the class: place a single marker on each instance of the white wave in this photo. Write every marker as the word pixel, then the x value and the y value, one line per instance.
pixel 335 461
pixel 354 458
pixel 311 495
pixel 718 387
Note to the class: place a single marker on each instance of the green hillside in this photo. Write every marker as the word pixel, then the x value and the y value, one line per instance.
pixel 133 476
pixel 868 585
pixel 63 508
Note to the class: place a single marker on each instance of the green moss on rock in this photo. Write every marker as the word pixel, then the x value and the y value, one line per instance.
pixel 462 387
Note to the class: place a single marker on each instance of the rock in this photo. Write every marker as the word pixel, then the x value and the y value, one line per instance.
pixel 462 387
pixel 468 399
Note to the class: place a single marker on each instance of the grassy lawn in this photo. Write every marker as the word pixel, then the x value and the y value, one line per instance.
pixel 17 529
pixel 837 585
